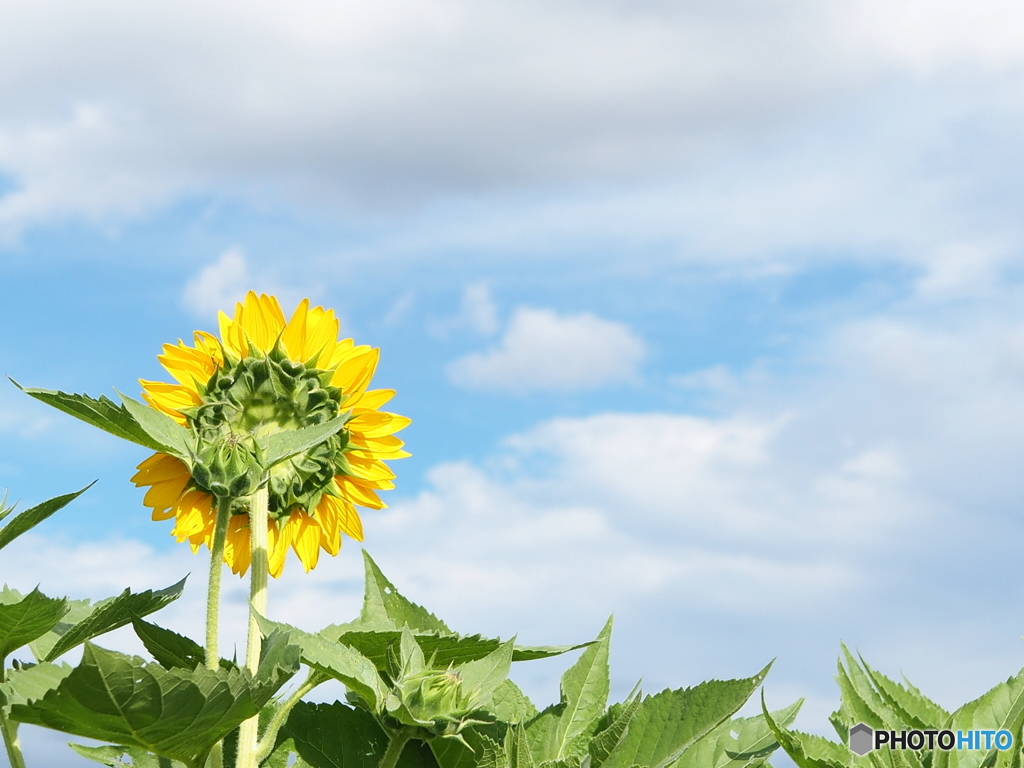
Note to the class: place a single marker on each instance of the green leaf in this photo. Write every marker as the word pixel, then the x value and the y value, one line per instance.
pixel 164 431
pixel 336 736
pixel 77 611
pixel 805 750
pixel 913 708
pixel 608 739
pixel 484 676
pixel 278 446
pixel 102 413
pixel 510 705
pixel 860 702
pixel 480 747
pixel 584 689
pixel 124 757
pixel 23 619
pixel 337 660
pixel 32 681
pixel 113 613
pixel 1001 707
pixel 752 744
pixel 175 713
pixel 30 518
pixel 171 650
pixel 446 648
pixel 384 608
pixel 285 755
pixel 668 723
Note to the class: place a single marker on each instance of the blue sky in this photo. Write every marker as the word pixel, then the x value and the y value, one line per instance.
pixel 706 314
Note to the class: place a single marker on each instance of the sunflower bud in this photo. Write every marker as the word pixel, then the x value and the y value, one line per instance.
pixel 229 465
pixel 431 696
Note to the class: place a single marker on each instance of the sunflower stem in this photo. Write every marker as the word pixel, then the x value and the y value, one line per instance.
pixel 258 513
pixel 213 592
pixel 220 530
pixel 9 729
pixel 266 744
pixel 395 747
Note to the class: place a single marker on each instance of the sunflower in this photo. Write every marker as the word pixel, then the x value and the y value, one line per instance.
pixel 266 375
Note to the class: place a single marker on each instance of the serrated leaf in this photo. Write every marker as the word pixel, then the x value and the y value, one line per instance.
pixel 859 701
pixel 753 743
pixel 668 723
pixel 32 681
pixel 102 413
pixel 913 708
pixel 176 713
pixel 278 446
pixel 336 736
pixel 542 731
pixel 445 648
pixel 112 614
pixel 78 610
pixel 23 619
pixel 385 608
pixel 510 705
pixel 605 742
pixel 805 750
pixel 585 692
pixel 284 755
pixel 337 660
pixel 480 746
pixel 171 650
pixel 165 432
pixel 1002 707
pixel 124 757
pixel 30 518
pixel 483 676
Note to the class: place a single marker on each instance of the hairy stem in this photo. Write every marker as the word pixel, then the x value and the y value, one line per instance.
pixel 395 747
pixel 9 729
pixel 266 745
pixel 220 532
pixel 258 513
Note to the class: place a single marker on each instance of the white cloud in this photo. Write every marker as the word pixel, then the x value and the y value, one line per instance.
pixel 422 100
pixel 219 285
pixel 542 350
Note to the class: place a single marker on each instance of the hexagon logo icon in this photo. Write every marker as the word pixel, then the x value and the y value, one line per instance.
pixel 862 739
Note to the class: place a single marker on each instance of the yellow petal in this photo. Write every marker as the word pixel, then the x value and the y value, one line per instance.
pixel 164 495
pixel 294 335
pixel 237 547
pixel 261 320
pixel 278 540
pixel 353 375
pixel 169 398
pixel 377 423
pixel 369 469
pixel 305 536
pixel 191 367
pixel 371 400
pixel 358 494
pixel 158 468
pixel 231 334
pixel 194 517
pixel 347 519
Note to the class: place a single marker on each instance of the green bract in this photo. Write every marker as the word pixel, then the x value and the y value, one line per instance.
pixel 245 404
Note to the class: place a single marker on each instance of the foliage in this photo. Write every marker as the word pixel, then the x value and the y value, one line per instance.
pixel 867 696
